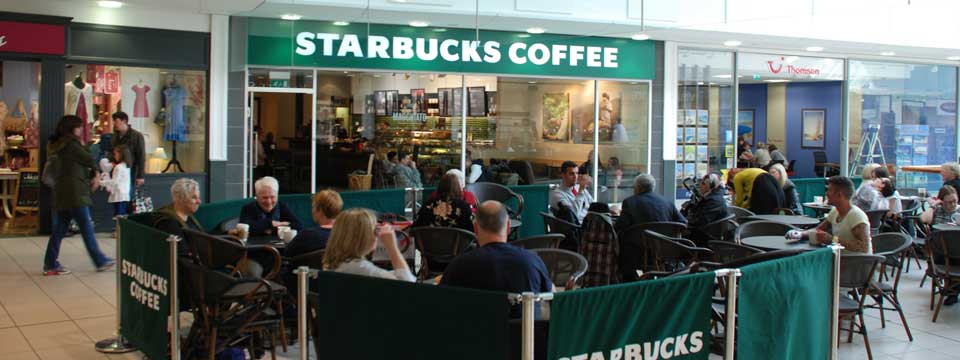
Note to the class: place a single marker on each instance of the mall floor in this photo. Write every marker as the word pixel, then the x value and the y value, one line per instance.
pixel 62 317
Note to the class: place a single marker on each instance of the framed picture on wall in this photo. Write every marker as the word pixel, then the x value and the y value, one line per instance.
pixel 555 119
pixel 419 100
pixel 380 103
pixel 477 101
pixel 445 99
pixel 745 121
pixel 813 122
pixel 393 98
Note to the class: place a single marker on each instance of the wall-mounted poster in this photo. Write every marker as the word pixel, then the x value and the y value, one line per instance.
pixel 380 103
pixel 457 107
pixel 556 117
pixel 703 118
pixel 477 101
pixel 492 103
pixel 419 97
pixel 610 116
pixel 690 117
pixel 814 125
pixel 406 104
pixel 445 99
pixel 393 97
pixel 745 122
pixel 703 135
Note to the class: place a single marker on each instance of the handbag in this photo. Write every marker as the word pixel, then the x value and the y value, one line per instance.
pixel 142 202
pixel 161 118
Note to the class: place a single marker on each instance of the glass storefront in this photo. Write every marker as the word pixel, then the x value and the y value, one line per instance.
pixel 903 115
pixel 19 114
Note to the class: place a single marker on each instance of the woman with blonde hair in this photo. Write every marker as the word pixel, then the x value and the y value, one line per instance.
pixel 790 196
pixel 867 197
pixel 354 237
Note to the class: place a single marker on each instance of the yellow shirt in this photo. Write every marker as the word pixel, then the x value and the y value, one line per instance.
pixel 743 186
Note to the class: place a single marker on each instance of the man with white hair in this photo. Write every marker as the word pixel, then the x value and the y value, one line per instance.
pixel 266 213
pixel 643 207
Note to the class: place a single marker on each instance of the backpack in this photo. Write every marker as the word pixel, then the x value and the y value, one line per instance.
pixel 50 170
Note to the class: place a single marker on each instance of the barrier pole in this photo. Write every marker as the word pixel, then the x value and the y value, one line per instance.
pixel 302 273
pixel 731 309
pixel 835 303
pixel 116 345
pixel 174 301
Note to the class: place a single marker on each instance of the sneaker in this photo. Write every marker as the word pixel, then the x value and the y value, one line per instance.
pixel 106 266
pixel 58 271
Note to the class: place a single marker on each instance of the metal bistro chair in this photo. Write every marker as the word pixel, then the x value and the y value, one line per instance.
pixel 546 241
pixel 565 267
pixel 673 253
pixel 727 251
pixel 438 246
pixel 856 273
pixel 893 247
pixel 724 229
pixel 492 191
pixel 876 220
pixel 740 214
pixel 762 228
pixel 943 264
pixel 570 231
pixel 227 225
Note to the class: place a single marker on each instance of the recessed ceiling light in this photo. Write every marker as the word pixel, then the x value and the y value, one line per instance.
pixel 776 80
pixel 439 30
pixel 536 30
pixel 953 58
pixel 109 4
pixel 723 76
pixel 291 17
pixel 523 35
pixel 419 23
pixel 531 82
pixel 732 43
pixel 640 36
pixel 888 53
pixel 814 48
pixel 341 23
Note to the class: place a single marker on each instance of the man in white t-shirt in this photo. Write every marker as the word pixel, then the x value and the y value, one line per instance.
pixel 846 223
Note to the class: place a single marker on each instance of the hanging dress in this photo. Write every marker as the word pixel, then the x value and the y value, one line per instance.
pixel 140 108
pixel 176 129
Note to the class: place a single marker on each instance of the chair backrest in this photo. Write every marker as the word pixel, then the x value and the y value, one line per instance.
pixel 890 243
pixel 599 244
pixel 214 252
pixel 908 191
pixel 876 219
pixel 565 267
pixel 668 228
pixel 524 169
pixel 484 191
pixel 909 206
pixel 740 213
pixel 570 231
pixel 723 229
pixel 763 228
pixel 672 250
pixel 727 251
pixel 856 270
pixel 819 157
pixel 546 241
pixel 313 260
pixel 945 244
pixel 228 224
pixel 442 244
pixel 146 218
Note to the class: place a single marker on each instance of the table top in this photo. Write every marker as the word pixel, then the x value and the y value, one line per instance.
pixel 932 169
pixel 946 227
pixel 817 206
pixel 796 220
pixel 269 240
pixel 776 242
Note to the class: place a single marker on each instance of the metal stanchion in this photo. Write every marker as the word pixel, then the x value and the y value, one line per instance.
pixel 302 273
pixel 731 309
pixel 527 302
pixel 835 303
pixel 174 301
pixel 116 345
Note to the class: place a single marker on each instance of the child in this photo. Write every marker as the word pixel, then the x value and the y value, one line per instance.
pixel 116 179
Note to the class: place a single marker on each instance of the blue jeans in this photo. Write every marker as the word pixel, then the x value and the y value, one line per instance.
pixel 61 221
pixel 120 208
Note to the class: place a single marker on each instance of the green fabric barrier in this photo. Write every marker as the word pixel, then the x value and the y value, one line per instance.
pixel 666 318
pixel 144 302
pixel 784 308
pixel 369 318
pixel 810 187
pixel 388 200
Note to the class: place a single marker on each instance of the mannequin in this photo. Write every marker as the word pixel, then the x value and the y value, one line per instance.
pixel 78 100
pixel 174 97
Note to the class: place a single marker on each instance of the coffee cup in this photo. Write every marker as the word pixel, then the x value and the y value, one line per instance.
pixel 243 231
pixel 818 199
pixel 288 235
pixel 282 229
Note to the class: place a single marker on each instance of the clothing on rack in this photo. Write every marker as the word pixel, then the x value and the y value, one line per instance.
pixel 140 107
pixel 79 101
pixel 176 129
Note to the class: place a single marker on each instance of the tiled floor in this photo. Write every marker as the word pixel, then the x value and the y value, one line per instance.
pixel 62 317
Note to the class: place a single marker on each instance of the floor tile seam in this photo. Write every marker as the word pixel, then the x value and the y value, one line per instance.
pixel 46 293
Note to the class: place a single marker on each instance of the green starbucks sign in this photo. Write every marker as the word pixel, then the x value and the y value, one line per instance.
pixel 391 47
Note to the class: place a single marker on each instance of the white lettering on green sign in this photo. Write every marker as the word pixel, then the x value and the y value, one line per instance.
pixel 670 347
pixel 452 50
pixel 145 287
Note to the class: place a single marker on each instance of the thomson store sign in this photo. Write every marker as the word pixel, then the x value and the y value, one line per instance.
pixel 391 47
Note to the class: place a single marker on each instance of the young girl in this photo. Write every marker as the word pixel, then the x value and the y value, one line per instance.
pixel 116 179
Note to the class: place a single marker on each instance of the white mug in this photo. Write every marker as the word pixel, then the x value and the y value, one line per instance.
pixel 282 229
pixel 288 235
pixel 244 231
pixel 818 199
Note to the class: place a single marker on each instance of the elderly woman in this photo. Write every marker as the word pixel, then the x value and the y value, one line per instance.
pixel 266 213
pixel 709 208
pixel 327 205
pixel 175 217
pixel 354 237
pixel 867 197
pixel 790 196
pixel 950 172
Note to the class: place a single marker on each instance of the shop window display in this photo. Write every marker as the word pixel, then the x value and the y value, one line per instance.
pixel 167 106
pixel 19 114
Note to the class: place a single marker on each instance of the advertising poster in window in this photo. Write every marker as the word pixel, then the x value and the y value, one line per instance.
pixel 419 100
pixel 556 117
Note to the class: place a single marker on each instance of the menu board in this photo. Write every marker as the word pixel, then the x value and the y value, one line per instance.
pixel 28 190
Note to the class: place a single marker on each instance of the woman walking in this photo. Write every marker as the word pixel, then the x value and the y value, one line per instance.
pixel 73 170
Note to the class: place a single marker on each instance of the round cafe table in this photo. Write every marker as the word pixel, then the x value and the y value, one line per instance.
pixel 795 220
pixel 776 242
pixel 819 209
pixel 946 227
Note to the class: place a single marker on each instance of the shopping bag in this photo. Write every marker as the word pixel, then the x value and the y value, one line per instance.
pixel 142 202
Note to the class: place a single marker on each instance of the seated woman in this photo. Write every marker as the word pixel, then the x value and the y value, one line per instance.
pixel 354 236
pixel 175 217
pixel 867 197
pixel 448 209
pixel 710 207
pixel 326 206
pixel 266 213
pixel 790 196
pixel 468 196
pixel 946 211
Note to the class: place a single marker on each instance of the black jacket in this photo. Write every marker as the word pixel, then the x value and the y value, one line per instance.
pixel 261 222
pixel 766 195
pixel 133 140
pixel 711 208
pixel 647 207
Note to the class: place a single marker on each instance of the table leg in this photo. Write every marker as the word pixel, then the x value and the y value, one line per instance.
pixel 7 198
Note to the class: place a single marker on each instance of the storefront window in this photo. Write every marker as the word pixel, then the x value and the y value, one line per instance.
pixel 169 107
pixel 624 123
pixel 704 115
pixel 909 112
pixel 19 113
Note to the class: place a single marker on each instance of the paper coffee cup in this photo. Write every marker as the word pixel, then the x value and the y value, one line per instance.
pixel 282 229
pixel 244 230
pixel 289 235
pixel 818 199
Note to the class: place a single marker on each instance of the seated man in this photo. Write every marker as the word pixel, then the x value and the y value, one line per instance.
pixel 390 164
pixel 326 206
pixel 572 193
pixel 846 223
pixel 266 213
pixel 496 265
pixel 407 171
pixel 643 207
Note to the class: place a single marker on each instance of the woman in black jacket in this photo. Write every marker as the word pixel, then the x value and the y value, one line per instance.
pixel 710 207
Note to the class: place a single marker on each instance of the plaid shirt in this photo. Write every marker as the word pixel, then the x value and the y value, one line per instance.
pixel 599 245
